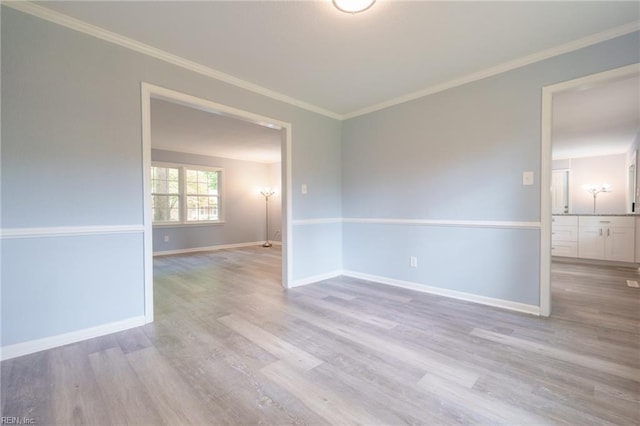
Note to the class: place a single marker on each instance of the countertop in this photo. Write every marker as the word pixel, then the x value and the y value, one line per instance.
pixel 598 214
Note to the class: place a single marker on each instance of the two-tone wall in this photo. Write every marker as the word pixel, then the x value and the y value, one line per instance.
pixel 243 206
pixel 72 180
pixel 440 178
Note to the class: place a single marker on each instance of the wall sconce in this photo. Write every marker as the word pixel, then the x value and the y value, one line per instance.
pixel 595 190
pixel 266 193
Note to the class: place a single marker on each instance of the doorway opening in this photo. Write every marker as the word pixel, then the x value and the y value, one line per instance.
pixel 564 188
pixel 215 210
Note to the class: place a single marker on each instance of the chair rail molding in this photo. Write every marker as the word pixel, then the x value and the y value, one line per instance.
pixel 69 231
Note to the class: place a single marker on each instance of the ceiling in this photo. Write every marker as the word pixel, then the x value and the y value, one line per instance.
pixel 182 129
pixel 345 64
pixel 593 121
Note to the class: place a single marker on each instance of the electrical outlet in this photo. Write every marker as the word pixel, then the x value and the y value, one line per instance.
pixel 413 261
pixel 166 238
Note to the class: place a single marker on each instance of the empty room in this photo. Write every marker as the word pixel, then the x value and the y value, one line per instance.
pixel 316 212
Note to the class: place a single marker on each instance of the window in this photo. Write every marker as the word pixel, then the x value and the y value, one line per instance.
pixel 183 194
pixel 165 194
pixel 202 195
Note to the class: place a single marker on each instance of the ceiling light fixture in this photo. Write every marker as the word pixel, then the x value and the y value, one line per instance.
pixel 353 6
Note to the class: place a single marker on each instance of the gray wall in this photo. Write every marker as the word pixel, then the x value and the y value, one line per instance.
pixel 459 155
pixel 243 206
pixel 72 155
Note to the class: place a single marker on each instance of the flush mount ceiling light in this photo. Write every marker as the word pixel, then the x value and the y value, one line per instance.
pixel 353 6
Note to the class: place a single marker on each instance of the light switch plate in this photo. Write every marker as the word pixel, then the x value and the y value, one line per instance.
pixel 304 188
pixel 527 178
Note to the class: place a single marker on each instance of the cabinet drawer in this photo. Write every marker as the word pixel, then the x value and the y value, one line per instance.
pixel 608 221
pixel 566 249
pixel 564 220
pixel 564 233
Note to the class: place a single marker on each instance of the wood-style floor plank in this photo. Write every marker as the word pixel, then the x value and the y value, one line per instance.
pixel 230 346
pixel 562 355
pixel 126 399
pixel 495 410
pixel 76 396
pixel 320 398
pixel 272 344
pixel 426 359
pixel 175 400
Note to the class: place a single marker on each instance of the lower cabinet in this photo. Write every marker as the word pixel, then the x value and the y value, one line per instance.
pixel 606 238
pixel 564 236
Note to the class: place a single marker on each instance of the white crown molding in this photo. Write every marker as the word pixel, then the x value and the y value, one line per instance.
pixel 33 346
pixel 95 31
pixel 499 69
pixel 448 223
pixel 129 43
pixel 68 231
pixel 453 294
pixel 212 248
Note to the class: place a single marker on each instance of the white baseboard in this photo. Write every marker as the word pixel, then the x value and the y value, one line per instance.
pixel 315 278
pixel 469 297
pixel 32 346
pixel 213 248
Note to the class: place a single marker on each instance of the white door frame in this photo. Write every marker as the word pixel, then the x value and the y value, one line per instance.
pixel 545 168
pixel 149 91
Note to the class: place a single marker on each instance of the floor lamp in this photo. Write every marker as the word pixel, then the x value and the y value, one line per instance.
pixel 595 190
pixel 266 193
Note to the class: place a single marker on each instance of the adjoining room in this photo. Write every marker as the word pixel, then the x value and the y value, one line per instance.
pixel 319 212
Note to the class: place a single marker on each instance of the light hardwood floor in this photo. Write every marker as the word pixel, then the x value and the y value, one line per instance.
pixel 230 346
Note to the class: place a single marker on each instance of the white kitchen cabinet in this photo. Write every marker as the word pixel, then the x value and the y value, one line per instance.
pixel 606 238
pixel 638 240
pixel 564 236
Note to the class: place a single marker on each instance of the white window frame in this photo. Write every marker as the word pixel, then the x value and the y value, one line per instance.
pixel 182 196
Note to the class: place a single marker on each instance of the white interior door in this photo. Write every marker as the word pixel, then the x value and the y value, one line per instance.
pixel 560 192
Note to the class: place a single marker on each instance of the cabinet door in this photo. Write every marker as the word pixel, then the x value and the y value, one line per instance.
pixel 591 242
pixel 564 233
pixel 564 249
pixel 619 244
pixel 637 240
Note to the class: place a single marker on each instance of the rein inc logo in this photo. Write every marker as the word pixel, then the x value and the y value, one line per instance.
pixel 6 420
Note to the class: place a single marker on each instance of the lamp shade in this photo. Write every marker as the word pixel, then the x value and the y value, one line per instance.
pixel 595 189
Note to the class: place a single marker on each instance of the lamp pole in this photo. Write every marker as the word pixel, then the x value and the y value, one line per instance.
pixel 595 190
pixel 266 192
